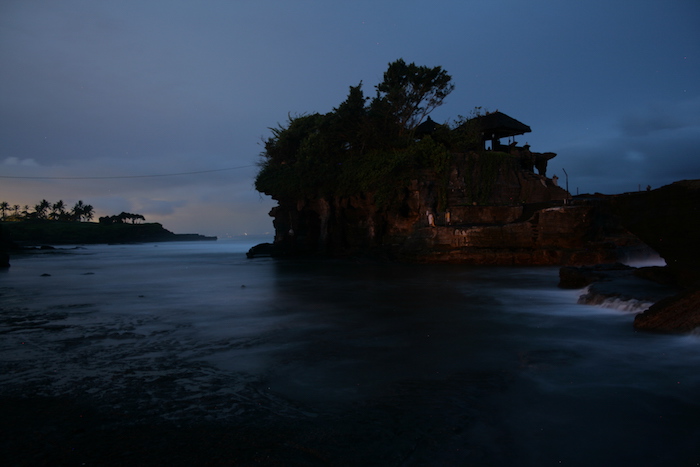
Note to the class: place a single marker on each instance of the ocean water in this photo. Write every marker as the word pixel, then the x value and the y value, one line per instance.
pixel 359 362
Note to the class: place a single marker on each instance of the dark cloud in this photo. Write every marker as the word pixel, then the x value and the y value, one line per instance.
pixel 656 145
pixel 661 117
pixel 160 87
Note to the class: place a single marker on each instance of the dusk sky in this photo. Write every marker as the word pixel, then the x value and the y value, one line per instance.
pixel 133 88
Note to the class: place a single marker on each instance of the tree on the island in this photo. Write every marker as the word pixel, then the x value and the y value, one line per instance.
pixel 41 209
pixel 137 217
pixel 121 218
pixel 410 92
pixel 358 147
pixel 88 212
pixel 15 211
pixel 77 211
pixel 58 210
pixel 4 206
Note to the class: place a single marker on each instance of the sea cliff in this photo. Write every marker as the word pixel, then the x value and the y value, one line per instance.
pixel 508 216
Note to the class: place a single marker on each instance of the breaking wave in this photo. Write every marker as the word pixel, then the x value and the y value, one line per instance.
pixel 617 302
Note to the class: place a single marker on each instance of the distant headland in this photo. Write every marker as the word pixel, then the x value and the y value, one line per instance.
pixel 53 224
pixel 34 233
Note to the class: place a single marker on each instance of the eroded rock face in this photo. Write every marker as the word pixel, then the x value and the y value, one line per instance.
pixel 677 314
pixel 434 223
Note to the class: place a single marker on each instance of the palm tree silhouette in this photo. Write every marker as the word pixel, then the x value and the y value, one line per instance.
pixel 4 206
pixel 58 210
pixel 41 209
pixel 88 212
pixel 78 210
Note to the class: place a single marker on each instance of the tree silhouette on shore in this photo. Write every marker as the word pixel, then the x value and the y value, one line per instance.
pixel 58 211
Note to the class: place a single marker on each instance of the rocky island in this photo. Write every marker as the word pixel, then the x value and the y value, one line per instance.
pixel 384 181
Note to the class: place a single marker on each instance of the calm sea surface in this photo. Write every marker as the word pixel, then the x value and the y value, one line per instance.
pixel 361 363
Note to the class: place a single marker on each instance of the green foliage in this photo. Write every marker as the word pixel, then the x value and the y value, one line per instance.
pixel 359 148
pixel 482 170
pixel 411 92
pixel 438 159
pixel 466 133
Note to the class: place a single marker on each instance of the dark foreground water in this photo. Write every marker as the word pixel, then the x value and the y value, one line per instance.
pixel 190 354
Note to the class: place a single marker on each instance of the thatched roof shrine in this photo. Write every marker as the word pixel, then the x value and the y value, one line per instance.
pixel 428 127
pixel 497 125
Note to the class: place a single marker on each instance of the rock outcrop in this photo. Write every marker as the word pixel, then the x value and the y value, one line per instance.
pixel 677 314
pixel 571 277
pixel 617 285
pixel 668 220
pixel 517 217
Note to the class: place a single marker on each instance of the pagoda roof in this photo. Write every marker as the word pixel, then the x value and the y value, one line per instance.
pixel 428 127
pixel 499 125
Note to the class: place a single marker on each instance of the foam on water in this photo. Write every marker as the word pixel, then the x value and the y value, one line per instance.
pixel 630 305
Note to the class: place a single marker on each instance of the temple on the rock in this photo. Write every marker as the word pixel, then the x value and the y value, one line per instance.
pixel 496 125
pixel 492 128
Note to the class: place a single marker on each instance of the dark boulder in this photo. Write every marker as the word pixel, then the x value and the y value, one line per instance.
pixel 629 292
pixel 677 314
pixel 263 249
pixel 668 220
pixel 571 277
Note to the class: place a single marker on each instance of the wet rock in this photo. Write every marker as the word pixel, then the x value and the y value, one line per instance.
pixel 668 220
pixel 658 274
pixel 263 249
pixel 677 314
pixel 625 293
pixel 571 277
